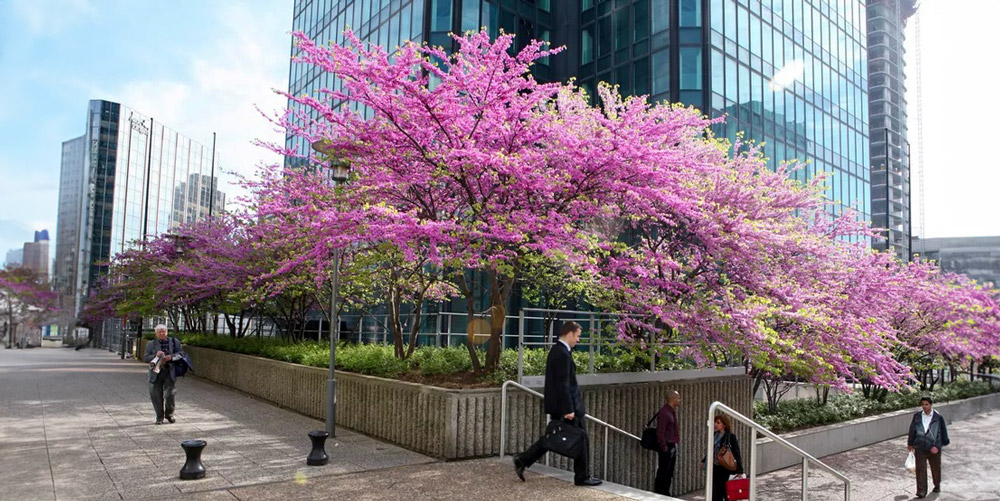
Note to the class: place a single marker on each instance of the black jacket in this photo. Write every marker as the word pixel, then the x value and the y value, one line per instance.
pixel 734 445
pixel 936 436
pixel 562 393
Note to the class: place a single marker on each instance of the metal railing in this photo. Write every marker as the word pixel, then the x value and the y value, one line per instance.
pixel 503 423
pixel 806 457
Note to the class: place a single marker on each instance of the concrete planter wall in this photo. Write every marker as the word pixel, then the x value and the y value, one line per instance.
pixel 459 424
pixel 836 438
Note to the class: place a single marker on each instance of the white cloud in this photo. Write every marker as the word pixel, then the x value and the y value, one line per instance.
pixel 219 86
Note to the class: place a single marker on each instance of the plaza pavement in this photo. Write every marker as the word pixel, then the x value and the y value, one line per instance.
pixel 79 425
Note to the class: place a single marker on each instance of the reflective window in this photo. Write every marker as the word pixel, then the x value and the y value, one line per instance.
pixel 660 15
pixel 640 16
pixel 660 62
pixel 623 28
pixel 587 45
pixel 690 68
pixel 690 13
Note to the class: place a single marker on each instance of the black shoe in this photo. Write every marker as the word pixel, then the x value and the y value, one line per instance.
pixel 159 421
pixel 936 489
pixel 588 482
pixel 171 418
pixel 921 496
pixel 519 468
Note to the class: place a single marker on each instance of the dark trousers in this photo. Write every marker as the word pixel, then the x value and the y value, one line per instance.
pixel 537 450
pixel 720 477
pixel 924 457
pixel 665 470
pixel 162 392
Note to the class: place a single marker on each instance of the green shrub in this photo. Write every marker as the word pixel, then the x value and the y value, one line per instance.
pixel 380 360
pixel 805 413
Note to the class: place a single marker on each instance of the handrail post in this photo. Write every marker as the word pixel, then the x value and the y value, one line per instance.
pixel 437 328
pixel 590 343
pixel 753 464
pixel 709 460
pixel 606 430
pixel 503 417
pixel 805 479
pixel 520 348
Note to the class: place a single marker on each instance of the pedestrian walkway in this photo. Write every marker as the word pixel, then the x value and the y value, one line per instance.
pixel 79 425
pixel 970 470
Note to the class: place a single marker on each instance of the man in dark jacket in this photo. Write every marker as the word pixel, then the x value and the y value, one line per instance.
pixel 668 437
pixel 928 434
pixel 562 401
pixel 160 353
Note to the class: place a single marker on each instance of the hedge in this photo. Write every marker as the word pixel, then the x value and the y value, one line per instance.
pixel 426 361
pixel 805 413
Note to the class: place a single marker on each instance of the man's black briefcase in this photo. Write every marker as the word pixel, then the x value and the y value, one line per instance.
pixel 563 438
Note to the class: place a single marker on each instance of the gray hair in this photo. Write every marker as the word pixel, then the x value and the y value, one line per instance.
pixel 159 327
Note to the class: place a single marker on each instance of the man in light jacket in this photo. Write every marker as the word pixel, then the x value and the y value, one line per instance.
pixel 928 434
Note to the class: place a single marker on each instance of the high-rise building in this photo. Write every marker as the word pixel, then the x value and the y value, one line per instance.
pixel 136 179
pixel 792 74
pixel 975 257
pixel 14 257
pixel 36 254
pixel 890 150
pixel 68 222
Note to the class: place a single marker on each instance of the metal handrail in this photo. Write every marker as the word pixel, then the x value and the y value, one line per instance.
pixel 806 457
pixel 503 422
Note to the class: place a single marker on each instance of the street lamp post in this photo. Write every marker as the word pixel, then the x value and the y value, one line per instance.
pixel 339 171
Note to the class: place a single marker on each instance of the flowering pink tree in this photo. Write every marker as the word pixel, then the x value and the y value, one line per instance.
pixel 25 299
pixel 463 163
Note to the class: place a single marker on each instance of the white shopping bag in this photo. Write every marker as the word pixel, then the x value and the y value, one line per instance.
pixel 911 463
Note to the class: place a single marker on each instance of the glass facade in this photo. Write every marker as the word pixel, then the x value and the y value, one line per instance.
pixel 391 23
pixel 789 73
pixel 801 78
pixel 139 179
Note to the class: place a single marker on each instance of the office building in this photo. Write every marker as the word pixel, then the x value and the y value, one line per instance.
pixel 890 148
pixel 975 257
pixel 36 254
pixel 68 222
pixel 14 257
pixel 128 178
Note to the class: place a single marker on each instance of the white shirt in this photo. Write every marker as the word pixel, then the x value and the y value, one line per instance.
pixel 566 345
pixel 926 419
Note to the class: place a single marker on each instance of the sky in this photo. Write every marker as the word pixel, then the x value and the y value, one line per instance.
pixel 960 109
pixel 196 66
pixel 201 67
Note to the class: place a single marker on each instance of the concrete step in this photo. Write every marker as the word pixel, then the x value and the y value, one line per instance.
pixel 609 487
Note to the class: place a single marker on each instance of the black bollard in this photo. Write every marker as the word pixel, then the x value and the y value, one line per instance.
pixel 317 456
pixel 193 469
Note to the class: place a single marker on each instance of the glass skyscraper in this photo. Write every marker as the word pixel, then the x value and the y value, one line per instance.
pixel 890 152
pixel 792 74
pixel 126 179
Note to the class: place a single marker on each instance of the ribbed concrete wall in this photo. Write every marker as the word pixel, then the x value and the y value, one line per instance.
pixel 458 424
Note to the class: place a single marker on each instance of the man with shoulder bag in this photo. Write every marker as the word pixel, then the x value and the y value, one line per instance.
pixel 564 404
pixel 161 355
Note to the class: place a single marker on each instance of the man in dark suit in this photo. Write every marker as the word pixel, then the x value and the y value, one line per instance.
pixel 562 401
